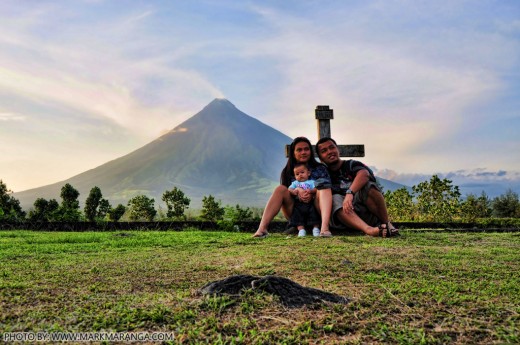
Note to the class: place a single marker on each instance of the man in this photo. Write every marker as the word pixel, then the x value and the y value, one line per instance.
pixel 357 201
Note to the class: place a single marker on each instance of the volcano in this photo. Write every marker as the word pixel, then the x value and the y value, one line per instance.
pixel 219 151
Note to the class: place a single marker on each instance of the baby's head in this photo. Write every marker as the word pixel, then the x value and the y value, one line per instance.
pixel 301 172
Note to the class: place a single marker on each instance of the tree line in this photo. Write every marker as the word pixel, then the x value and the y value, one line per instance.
pixel 96 209
pixel 435 200
pixel 439 200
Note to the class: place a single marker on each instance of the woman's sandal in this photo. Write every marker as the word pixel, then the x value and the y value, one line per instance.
pixel 325 233
pixel 260 234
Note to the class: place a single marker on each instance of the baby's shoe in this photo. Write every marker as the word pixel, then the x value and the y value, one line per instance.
pixel 302 233
pixel 315 232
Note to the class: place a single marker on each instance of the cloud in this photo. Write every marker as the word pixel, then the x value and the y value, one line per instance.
pixel 11 117
pixel 369 74
pixel 99 77
pixel 140 16
pixel 479 175
pixel 500 173
pixel 407 91
pixel 474 181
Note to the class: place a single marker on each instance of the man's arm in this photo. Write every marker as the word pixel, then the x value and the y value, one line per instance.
pixel 360 180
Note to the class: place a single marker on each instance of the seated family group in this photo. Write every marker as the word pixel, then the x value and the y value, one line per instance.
pixel 338 193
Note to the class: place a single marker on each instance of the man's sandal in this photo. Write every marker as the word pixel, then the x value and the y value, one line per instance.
pixel 393 231
pixel 385 231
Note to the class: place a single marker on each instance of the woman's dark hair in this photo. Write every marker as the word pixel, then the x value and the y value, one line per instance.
pixel 288 171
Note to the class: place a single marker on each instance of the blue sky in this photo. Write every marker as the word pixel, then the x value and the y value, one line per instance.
pixel 430 87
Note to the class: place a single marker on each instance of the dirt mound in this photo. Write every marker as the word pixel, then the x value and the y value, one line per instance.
pixel 291 294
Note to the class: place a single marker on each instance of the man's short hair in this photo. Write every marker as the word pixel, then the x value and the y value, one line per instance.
pixel 324 139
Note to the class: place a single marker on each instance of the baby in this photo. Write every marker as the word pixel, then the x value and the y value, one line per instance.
pixel 304 213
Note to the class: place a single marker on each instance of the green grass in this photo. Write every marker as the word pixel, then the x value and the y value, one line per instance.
pixel 421 288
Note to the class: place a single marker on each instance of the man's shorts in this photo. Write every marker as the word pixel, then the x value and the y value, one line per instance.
pixel 360 199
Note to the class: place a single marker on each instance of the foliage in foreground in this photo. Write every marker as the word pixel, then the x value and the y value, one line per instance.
pixel 427 287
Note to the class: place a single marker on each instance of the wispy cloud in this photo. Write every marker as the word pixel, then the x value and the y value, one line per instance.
pixel 103 79
pixel 374 78
pixel 11 117
pixel 400 87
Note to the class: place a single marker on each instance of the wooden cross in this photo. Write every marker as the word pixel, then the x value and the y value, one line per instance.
pixel 323 117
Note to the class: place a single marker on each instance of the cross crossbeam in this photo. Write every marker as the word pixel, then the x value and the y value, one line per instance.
pixel 323 116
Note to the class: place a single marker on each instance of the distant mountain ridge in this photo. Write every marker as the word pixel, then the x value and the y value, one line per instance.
pixel 219 151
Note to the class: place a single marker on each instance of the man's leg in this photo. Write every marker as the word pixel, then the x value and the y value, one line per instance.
pixel 352 220
pixel 376 204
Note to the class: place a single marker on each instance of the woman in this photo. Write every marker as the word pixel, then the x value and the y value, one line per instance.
pixel 300 152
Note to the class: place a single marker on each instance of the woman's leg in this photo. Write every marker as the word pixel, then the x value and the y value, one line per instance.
pixel 280 199
pixel 323 204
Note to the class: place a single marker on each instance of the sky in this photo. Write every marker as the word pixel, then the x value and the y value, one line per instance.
pixel 429 87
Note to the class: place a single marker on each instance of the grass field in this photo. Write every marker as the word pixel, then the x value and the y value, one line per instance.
pixel 421 288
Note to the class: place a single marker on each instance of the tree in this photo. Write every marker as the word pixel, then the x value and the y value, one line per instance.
pixel 176 202
pixel 104 208
pixel 92 203
pixel 238 213
pixel 506 205
pixel 114 214
pixel 44 210
pixel 142 208
pixel 437 200
pixel 69 209
pixel 211 209
pixel 39 212
pixel 401 207
pixel 10 208
pixel 473 207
